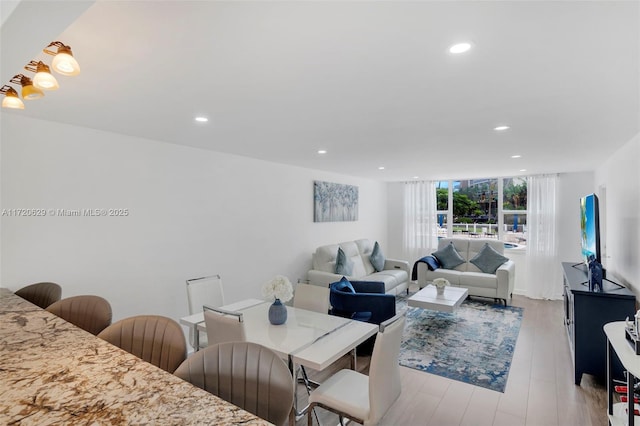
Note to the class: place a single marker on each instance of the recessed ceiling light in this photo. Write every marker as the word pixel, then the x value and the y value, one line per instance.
pixel 501 128
pixel 516 156
pixel 202 119
pixel 460 48
pixel 381 168
pixel 322 151
pixel 416 177
pixel 523 170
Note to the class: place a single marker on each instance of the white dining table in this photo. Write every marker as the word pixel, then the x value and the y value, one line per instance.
pixel 311 339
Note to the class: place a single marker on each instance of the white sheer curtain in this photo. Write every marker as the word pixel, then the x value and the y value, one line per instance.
pixel 420 231
pixel 543 280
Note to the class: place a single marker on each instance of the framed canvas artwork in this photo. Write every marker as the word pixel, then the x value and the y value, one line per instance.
pixel 334 202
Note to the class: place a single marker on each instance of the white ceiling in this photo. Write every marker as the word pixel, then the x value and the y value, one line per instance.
pixel 371 82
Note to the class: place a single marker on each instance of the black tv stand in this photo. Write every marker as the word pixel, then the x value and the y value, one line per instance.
pixel 582 267
pixel 604 282
pixel 581 264
pixel 585 313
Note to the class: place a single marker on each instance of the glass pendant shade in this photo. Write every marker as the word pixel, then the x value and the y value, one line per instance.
pixel 65 63
pixel 11 100
pixel 43 78
pixel 29 92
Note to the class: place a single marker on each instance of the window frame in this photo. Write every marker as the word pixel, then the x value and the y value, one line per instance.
pixel 500 214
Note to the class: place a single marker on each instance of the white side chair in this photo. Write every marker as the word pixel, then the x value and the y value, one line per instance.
pixel 223 326
pixel 203 291
pixel 311 297
pixel 365 399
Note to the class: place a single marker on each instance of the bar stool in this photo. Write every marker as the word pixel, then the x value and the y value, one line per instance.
pixel 156 339
pixel 90 313
pixel 42 294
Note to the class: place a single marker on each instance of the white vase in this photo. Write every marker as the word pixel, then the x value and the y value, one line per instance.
pixel 440 290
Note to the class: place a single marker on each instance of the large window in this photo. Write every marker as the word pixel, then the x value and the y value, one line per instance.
pixel 442 194
pixel 514 209
pixel 474 208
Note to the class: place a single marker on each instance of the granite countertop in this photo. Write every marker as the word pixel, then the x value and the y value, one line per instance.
pixel 53 373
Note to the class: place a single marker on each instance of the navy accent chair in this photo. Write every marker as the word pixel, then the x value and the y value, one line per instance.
pixel 369 303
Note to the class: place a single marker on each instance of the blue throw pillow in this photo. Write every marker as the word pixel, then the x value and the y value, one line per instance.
pixel 432 263
pixel 344 265
pixel 377 258
pixel 448 256
pixel 344 286
pixel 488 260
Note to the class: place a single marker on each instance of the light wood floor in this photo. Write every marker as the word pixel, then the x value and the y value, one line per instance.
pixel 539 392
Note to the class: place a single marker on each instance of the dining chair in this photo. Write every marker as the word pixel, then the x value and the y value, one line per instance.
pixel 311 297
pixel 41 294
pixel 365 399
pixel 246 374
pixel 223 325
pixel 156 339
pixel 203 291
pixel 90 313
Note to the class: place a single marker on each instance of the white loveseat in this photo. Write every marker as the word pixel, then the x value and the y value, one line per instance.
pixel 498 286
pixel 395 274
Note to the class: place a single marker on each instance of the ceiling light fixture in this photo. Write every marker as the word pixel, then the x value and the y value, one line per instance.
pixel 202 119
pixel 11 99
pixel 459 48
pixel 43 79
pixel 29 91
pixel 516 156
pixel 501 128
pixel 523 170
pixel 322 151
pixel 63 60
pixel 381 168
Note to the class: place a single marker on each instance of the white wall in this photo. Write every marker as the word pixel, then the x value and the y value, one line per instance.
pixel 619 177
pixel 191 213
pixel 571 187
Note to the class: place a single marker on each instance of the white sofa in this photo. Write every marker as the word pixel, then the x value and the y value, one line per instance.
pixel 395 274
pixel 498 286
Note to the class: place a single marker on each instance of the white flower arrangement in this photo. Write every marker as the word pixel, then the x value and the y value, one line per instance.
pixel 441 282
pixel 278 288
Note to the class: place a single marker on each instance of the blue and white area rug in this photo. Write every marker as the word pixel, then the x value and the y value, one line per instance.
pixel 474 344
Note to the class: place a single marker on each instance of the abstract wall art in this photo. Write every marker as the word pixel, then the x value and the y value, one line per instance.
pixel 334 202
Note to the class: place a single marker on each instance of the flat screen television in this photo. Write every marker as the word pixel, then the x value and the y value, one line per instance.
pixel 590 227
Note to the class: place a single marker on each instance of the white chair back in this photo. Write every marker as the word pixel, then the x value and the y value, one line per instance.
pixel 384 370
pixel 223 326
pixel 311 297
pixel 204 291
